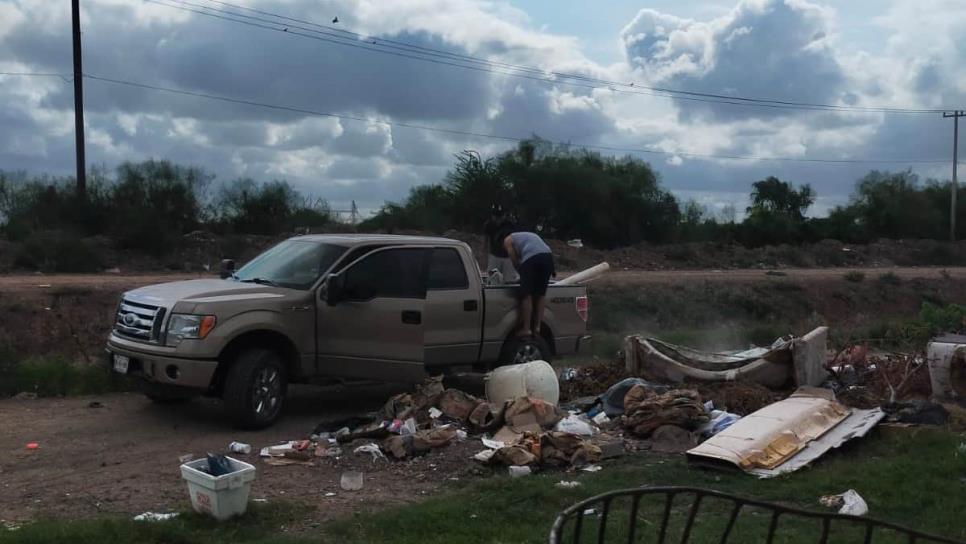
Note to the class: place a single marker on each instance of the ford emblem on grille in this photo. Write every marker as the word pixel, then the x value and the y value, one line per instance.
pixel 130 319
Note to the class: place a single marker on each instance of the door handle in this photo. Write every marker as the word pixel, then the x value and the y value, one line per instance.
pixel 470 305
pixel 412 317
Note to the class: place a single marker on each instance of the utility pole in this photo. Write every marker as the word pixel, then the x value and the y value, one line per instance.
pixel 354 214
pixel 78 101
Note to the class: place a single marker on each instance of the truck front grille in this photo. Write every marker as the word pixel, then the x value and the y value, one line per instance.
pixel 138 320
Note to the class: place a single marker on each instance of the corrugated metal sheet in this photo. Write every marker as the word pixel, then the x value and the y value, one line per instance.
pixel 787 435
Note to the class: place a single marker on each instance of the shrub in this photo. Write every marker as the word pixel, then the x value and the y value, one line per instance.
pixel 890 278
pixel 54 377
pixel 854 276
pixel 55 251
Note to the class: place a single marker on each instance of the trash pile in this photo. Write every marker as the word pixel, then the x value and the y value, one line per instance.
pixel 705 411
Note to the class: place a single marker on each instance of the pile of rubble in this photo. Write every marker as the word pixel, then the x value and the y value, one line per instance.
pixel 703 412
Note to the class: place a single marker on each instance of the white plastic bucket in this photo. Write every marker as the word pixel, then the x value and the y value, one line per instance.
pixel 222 497
pixel 535 379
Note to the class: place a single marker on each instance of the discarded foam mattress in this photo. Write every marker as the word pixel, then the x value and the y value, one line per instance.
pixel 787 435
pixel 787 360
pixel 662 361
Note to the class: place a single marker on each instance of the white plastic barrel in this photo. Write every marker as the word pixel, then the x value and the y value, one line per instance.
pixel 535 379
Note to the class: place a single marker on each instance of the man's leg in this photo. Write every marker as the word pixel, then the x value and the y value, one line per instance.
pixel 540 302
pixel 526 315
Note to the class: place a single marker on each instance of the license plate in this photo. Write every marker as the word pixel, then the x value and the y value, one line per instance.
pixel 120 363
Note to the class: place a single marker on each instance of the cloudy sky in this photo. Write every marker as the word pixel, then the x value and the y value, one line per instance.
pixel 855 53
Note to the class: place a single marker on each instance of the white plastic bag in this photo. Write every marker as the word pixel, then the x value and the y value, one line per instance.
pixel 575 425
pixel 850 503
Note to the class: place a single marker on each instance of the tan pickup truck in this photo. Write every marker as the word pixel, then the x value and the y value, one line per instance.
pixel 329 307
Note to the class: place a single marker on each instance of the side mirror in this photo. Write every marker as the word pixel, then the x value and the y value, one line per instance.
pixel 227 268
pixel 334 286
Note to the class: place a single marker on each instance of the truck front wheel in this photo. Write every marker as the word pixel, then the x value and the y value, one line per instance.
pixel 524 350
pixel 255 388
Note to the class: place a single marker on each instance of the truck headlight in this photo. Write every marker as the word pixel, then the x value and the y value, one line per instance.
pixel 188 326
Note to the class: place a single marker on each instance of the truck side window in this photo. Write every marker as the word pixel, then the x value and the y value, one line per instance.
pixel 446 270
pixel 394 273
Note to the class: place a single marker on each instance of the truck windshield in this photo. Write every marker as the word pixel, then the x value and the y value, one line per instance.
pixel 295 264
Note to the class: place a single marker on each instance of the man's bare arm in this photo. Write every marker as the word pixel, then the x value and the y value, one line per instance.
pixel 514 257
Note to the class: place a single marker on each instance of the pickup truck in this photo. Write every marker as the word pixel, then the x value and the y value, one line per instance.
pixel 320 308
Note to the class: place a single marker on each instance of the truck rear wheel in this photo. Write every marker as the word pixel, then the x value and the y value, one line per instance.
pixel 255 388
pixel 523 350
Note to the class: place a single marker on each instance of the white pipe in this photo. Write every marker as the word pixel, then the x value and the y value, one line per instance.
pixel 585 275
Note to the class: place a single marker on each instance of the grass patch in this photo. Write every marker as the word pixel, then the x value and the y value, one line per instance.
pixel 57 377
pixel 261 524
pixel 854 276
pixel 907 476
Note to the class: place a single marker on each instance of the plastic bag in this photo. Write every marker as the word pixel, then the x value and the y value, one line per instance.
pixel 849 503
pixel 575 425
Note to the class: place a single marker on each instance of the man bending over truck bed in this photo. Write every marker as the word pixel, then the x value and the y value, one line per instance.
pixel 532 258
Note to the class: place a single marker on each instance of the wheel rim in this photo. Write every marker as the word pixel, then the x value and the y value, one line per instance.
pixel 267 392
pixel 527 353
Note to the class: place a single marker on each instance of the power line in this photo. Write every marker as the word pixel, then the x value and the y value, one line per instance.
pixel 305 111
pixel 426 54
pixel 64 77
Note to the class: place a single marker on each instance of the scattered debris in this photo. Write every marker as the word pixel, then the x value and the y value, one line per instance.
pixel 323 450
pixel 351 481
pixel 420 442
pixel 372 449
pixel 591 381
pixel 185 458
pixel 564 484
pixel 740 398
pixel 612 401
pixel 94 404
pixel 592 468
pixel 789 434
pixel 849 503
pixel 576 242
pixel 239 447
pixel 260 500
pixel 645 410
pixel 25 395
pixel 154 516
pixel 575 424
pixel 518 471
pixel 720 420
pixel 921 412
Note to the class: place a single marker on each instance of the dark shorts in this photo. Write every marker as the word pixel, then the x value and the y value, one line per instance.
pixel 535 274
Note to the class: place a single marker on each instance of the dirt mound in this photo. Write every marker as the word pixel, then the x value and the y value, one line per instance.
pixel 741 398
pixel 590 381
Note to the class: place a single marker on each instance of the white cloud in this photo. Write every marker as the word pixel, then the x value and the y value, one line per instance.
pixel 784 49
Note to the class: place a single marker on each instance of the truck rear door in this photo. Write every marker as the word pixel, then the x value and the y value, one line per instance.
pixel 376 330
pixel 454 313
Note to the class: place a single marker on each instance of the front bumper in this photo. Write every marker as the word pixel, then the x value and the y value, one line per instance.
pixel 163 369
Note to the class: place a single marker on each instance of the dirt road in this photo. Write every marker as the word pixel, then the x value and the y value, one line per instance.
pixel 122 457
pixel 19 283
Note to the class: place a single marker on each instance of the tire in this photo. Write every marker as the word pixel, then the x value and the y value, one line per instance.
pixel 255 388
pixel 523 350
pixel 166 394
